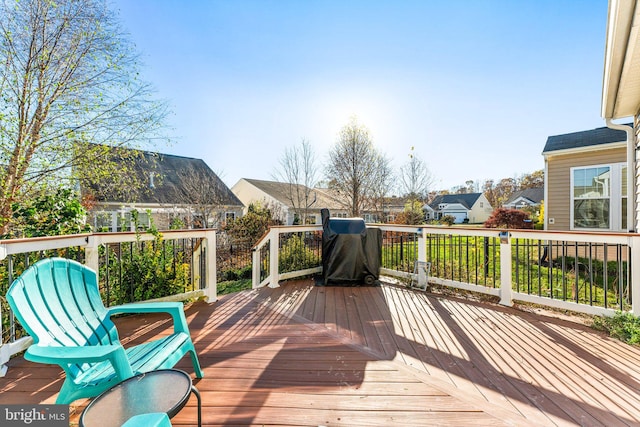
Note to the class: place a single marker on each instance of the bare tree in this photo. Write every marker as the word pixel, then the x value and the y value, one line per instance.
pixel 415 179
pixel 68 78
pixel 298 169
pixel 357 172
pixel 203 191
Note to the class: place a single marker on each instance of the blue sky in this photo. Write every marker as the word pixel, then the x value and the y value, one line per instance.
pixel 476 86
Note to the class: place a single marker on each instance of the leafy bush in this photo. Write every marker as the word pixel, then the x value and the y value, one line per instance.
pixel 508 218
pixel 295 255
pixel 411 215
pixel 250 227
pixel 448 220
pixel 49 215
pixel 147 271
pixel 622 326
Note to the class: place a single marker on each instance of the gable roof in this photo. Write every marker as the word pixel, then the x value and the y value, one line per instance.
pixel 164 179
pixel 281 191
pixel 466 199
pixel 586 138
pixel 534 195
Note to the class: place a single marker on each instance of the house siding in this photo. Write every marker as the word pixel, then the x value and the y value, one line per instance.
pixel 558 203
pixel 480 211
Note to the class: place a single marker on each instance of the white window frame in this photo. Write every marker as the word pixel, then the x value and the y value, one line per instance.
pixel 616 174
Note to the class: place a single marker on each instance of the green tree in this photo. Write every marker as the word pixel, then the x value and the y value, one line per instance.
pixel 412 214
pixel 53 214
pixel 251 226
pixel 68 77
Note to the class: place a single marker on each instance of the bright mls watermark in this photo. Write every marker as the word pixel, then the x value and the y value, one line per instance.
pixel 34 415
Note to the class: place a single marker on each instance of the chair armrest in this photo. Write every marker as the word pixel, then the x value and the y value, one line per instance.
pixel 175 309
pixel 114 353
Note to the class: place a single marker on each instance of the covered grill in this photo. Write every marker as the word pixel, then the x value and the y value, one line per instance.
pixel 351 252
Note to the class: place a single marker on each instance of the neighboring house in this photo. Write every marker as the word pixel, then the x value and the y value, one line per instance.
pixel 277 196
pixel 585 181
pixel 473 208
pixel 169 188
pixel 391 208
pixel 530 197
pixel 621 91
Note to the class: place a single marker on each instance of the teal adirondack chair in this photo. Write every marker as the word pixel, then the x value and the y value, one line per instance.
pixel 58 302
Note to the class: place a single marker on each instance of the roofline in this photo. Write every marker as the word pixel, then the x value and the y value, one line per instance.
pixel 585 149
pixel 619 24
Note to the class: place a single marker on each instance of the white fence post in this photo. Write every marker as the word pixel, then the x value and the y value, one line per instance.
pixel 211 279
pixel 506 297
pixel 273 257
pixel 255 268
pixel 422 257
pixel 91 255
pixel 634 265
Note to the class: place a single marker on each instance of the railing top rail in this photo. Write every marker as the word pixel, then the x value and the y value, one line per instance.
pixel 572 236
pixel 17 246
pixel 132 236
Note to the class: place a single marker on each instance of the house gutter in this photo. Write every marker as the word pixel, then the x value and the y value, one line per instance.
pixel 631 170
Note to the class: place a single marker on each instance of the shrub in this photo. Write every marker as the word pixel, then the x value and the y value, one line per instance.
pixel 146 270
pixel 295 255
pixel 508 218
pixel 448 220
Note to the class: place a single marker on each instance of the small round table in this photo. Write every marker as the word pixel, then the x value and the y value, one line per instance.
pixel 165 390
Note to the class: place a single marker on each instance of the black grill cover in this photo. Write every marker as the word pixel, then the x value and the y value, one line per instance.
pixel 351 252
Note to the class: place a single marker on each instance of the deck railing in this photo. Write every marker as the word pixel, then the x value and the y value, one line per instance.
pixel 184 262
pixel 582 272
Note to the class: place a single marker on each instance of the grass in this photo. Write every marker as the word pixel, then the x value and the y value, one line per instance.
pixel 622 326
pixel 232 286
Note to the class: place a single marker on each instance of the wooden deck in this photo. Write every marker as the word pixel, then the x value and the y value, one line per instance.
pixel 381 356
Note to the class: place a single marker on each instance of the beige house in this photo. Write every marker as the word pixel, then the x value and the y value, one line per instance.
pixel 621 88
pixel 588 185
pixel 290 201
pixel 586 181
pixel 285 199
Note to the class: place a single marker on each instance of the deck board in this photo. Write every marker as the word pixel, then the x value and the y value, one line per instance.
pixel 378 356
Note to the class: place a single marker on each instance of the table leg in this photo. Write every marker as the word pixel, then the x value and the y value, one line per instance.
pixel 195 391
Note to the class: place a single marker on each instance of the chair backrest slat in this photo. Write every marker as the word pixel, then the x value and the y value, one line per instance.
pixel 60 304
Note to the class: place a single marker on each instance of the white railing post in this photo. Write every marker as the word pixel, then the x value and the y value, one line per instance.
pixel 211 279
pixel 505 269
pixel 91 254
pixel 273 257
pixel 422 257
pixel 634 264
pixel 255 268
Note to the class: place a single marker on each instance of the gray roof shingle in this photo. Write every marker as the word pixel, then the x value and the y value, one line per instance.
pixel 169 184
pixel 535 195
pixel 586 138
pixel 466 199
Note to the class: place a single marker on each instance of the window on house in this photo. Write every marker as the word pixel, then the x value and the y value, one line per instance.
pixel 599 197
pixel 103 222
pixel 229 216
pixel 369 218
